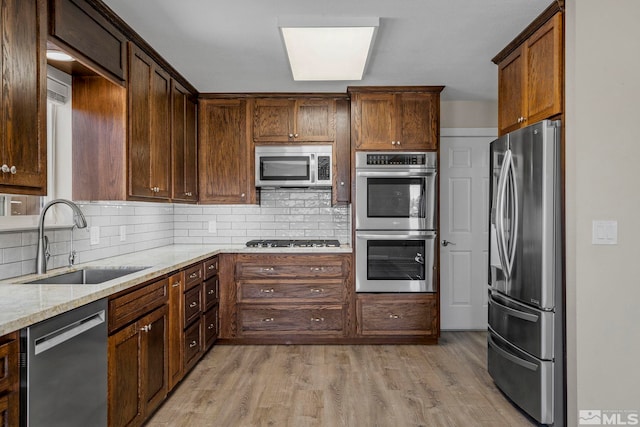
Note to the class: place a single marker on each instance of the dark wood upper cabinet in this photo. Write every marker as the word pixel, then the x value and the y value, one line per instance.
pixel 531 73
pixel 23 145
pixel 80 30
pixel 149 138
pixel 184 143
pixel 390 118
pixel 294 120
pixel 225 155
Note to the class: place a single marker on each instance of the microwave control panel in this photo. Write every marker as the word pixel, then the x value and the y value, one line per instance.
pixel 324 168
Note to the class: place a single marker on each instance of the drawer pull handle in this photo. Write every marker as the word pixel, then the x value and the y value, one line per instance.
pixel 268 319
pixel 266 291
pixel 193 344
pixel 145 328
pixel 317 268
pixel 394 316
pixel 211 291
pixel 175 285
pixel 193 304
pixel 193 275
pixel 267 269
pixel 317 291
pixel 213 267
pixel 317 319
pixel 211 326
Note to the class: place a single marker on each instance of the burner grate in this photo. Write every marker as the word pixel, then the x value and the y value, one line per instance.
pixel 293 243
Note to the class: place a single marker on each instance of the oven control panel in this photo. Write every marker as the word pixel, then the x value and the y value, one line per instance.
pixel 427 159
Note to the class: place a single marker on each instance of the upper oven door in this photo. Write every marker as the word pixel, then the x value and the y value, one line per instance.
pixel 395 199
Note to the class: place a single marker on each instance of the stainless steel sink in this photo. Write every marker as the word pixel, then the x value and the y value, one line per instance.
pixel 87 276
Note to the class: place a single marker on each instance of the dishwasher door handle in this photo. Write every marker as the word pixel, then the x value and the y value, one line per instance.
pixel 67 332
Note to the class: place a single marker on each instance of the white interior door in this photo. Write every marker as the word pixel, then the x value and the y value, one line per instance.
pixel 464 201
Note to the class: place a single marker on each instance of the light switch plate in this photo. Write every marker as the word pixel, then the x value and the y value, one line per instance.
pixel 95 235
pixel 604 233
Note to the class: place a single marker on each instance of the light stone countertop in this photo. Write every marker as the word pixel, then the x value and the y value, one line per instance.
pixel 22 304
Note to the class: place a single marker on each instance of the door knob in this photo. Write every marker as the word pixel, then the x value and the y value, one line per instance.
pixel 447 243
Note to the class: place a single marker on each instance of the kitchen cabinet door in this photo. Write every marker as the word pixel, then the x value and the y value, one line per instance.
pixel 82 31
pixel 225 155
pixel 530 76
pixel 294 120
pixel 9 380
pixel 184 143
pixel 138 369
pixel 149 121
pixel 23 144
pixel 176 338
pixel 396 118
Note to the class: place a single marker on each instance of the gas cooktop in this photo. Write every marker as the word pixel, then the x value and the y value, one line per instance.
pixel 293 244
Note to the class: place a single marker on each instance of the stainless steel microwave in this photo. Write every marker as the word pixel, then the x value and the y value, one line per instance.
pixel 294 165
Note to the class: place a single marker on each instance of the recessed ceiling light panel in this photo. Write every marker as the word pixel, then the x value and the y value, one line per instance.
pixel 320 52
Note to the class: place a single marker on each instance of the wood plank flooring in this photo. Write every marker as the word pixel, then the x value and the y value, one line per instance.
pixel 330 386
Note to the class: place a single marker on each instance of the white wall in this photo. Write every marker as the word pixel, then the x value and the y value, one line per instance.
pixel 468 114
pixel 603 148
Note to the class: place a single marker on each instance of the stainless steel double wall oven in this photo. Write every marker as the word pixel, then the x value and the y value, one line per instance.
pixel 395 221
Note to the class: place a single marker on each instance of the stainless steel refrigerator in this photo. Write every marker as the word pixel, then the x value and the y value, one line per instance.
pixel 526 339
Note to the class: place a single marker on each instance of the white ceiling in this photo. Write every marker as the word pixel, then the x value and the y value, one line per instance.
pixel 235 46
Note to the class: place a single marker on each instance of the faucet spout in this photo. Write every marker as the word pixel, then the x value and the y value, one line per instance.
pixel 78 219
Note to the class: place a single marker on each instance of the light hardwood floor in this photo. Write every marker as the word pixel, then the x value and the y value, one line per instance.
pixel 367 385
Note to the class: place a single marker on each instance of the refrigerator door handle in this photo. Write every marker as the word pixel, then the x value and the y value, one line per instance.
pixel 521 362
pixel 500 207
pixel 514 223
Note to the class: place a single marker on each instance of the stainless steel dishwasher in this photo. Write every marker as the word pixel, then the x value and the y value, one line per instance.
pixel 64 369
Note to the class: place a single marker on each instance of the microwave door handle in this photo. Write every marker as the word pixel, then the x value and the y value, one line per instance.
pixel 312 168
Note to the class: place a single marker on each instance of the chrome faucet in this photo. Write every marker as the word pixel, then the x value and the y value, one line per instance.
pixel 78 219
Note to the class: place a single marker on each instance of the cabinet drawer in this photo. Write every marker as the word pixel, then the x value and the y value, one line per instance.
pixel 192 305
pixel 303 269
pixel 291 291
pixel 192 344
pixel 9 370
pixel 211 267
pixel 287 319
pixel 389 315
pixel 210 325
pixel 192 276
pixel 211 292
pixel 129 307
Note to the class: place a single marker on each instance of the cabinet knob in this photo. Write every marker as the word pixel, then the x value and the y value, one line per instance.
pixel 317 269
pixel 341 182
pixel 267 269
pixel 188 194
pixel 266 291
pixel 213 266
pixel 317 319
pixel 175 285
pixel 393 143
pixel 317 291
pixel 268 319
pixel 211 292
pixel 193 304
pixel 394 316
pixel 242 196
pixel 290 135
pixel 193 344
pixel 193 275
pixel 295 135
pixel 211 326
pixel 7 169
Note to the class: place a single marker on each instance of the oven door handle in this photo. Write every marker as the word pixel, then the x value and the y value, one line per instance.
pixel 395 174
pixel 395 236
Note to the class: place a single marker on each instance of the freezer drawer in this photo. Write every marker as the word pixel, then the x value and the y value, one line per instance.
pixel 525 327
pixel 526 380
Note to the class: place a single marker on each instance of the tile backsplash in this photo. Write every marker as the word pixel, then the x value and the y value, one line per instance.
pixel 126 227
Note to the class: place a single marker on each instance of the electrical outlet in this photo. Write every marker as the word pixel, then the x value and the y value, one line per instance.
pixel 213 228
pixel 123 233
pixel 95 235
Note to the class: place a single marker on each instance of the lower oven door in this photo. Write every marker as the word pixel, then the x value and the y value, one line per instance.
pixel 395 261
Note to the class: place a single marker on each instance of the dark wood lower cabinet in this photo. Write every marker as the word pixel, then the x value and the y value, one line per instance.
pixel 9 381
